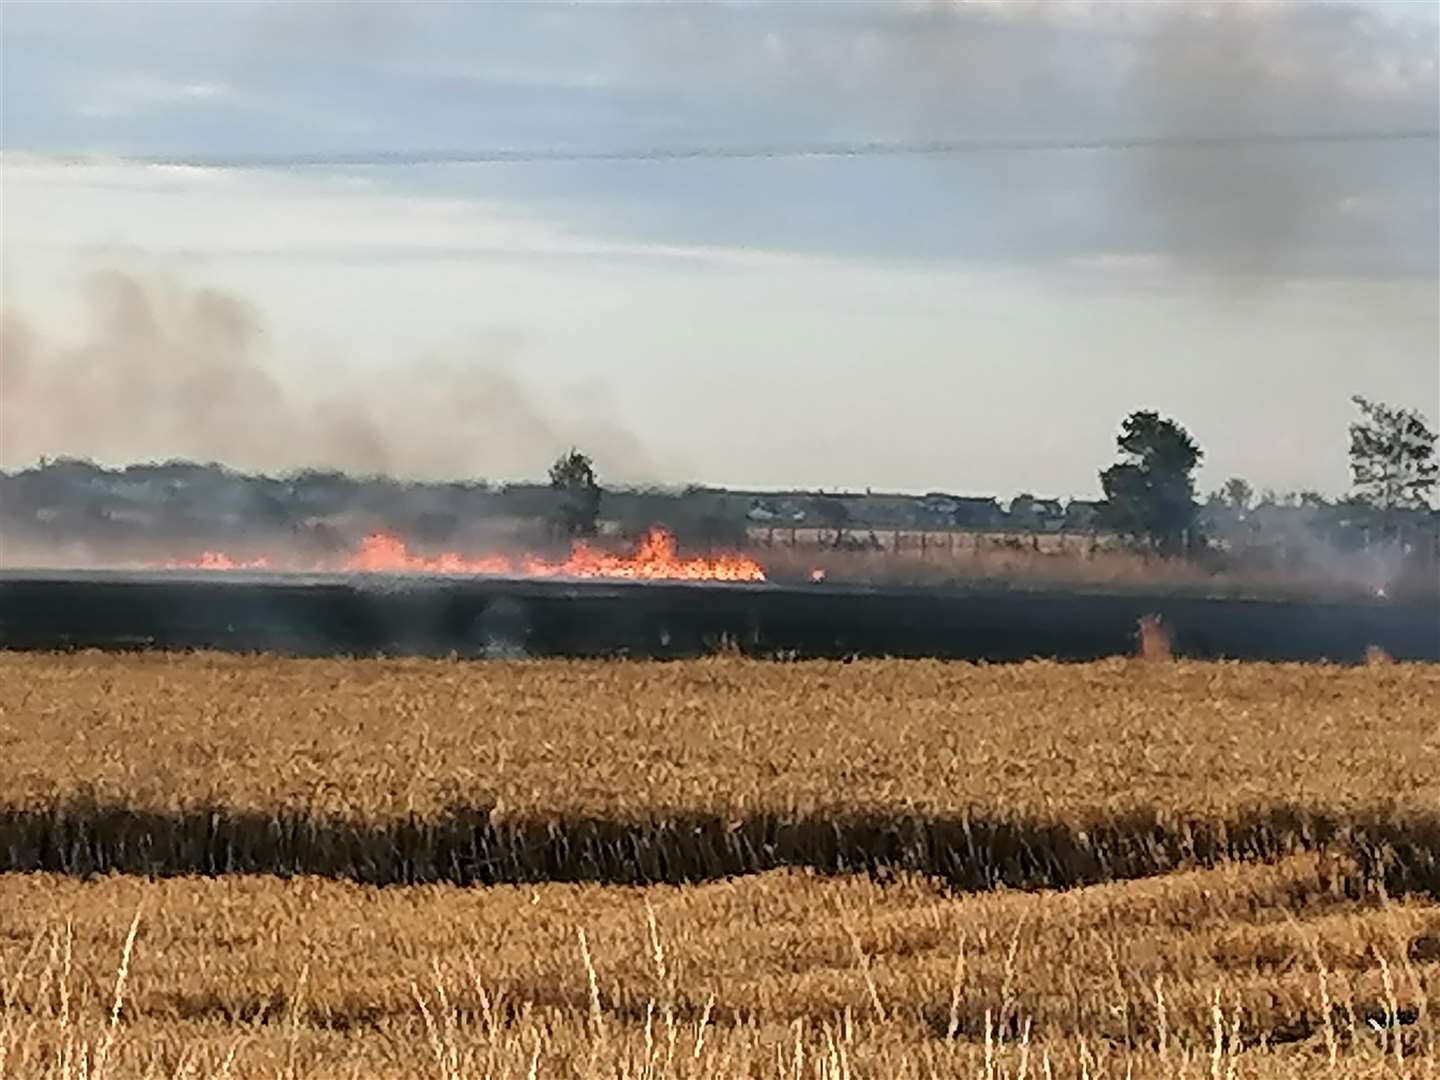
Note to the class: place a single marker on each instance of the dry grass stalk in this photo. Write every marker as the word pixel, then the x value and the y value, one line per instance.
pixel 206 995
pixel 1155 641
pixel 1059 562
pixel 1088 775
pixel 102 1056
pixel 1042 773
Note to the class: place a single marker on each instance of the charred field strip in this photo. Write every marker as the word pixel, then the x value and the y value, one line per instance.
pixel 381 615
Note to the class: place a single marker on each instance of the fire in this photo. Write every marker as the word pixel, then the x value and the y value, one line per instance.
pixel 386 553
pixel 655 559
pixel 217 560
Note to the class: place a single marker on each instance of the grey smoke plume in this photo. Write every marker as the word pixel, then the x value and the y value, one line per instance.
pixel 1277 71
pixel 1050 72
pixel 164 370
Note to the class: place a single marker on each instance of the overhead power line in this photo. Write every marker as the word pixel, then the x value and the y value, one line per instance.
pixel 794 150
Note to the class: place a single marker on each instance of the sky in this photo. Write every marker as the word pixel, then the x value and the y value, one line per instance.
pixel 239 232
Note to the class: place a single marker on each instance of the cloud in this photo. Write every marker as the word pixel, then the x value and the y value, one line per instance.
pixel 108 207
pixel 877 320
pixel 1030 69
pixel 153 361
pixel 1021 69
pixel 730 366
pixel 130 95
pixel 346 77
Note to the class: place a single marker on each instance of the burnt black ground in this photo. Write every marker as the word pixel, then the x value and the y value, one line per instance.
pixel 366 615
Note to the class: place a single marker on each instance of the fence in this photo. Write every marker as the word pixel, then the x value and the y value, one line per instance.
pixel 941 543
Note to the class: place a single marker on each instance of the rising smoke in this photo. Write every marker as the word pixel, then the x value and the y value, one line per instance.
pixel 1248 214
pixel 163 369
pixel 1052 73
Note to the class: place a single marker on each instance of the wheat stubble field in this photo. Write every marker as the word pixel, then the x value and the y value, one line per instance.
pixel 252 867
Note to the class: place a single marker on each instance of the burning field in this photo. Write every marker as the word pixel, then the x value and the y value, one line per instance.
pixel 258 865
pixel 655 558
pixel 629 607
pixel 723 868
pixel 374 591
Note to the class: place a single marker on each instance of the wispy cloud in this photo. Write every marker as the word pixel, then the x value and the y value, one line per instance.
pixel 132 94
pixel 118 206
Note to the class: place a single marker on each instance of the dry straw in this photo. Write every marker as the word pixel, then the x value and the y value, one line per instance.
pixel 769 870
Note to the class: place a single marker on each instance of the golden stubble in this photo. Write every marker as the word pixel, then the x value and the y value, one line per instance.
pixel 377 738
pixel 1298 966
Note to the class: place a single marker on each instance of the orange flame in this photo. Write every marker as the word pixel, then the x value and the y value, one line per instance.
pixel 217 560
pixel 386 553
pixel 656 559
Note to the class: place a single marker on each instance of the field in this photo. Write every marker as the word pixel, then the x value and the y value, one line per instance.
pixel 252 867
pixel 1068 559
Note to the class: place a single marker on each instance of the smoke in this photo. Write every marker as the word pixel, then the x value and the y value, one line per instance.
pixel 1048 72
pixel 1237 208
pixel 1274 209
pixel 167 370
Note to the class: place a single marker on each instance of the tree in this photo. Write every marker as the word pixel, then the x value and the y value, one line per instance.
pixel 1237 494
pixel 833 514
pixel 1022 510
pixel 1150 493
pixel 1392 457
pixel 573 476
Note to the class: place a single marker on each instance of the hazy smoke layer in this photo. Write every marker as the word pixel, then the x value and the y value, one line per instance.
pixel 1275 71
pixel 164 370
pixel 1056 72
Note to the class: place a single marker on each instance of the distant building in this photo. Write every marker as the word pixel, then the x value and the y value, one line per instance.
pixel 775 512
pixel 1036 515
pixel 941 506
pixel 961 511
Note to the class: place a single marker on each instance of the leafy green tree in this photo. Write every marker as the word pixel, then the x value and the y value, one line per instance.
pixel 1392 457
pixel 573 476
pixel 1150 492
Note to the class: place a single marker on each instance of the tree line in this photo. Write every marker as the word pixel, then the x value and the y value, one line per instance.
pixel 1150 492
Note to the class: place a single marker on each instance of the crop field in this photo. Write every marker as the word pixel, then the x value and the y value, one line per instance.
pixel 244 866
pixel 1069 559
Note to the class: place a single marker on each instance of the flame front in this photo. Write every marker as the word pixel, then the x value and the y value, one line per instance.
pixel 386 553
pixel 655 559
pixel 217 560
